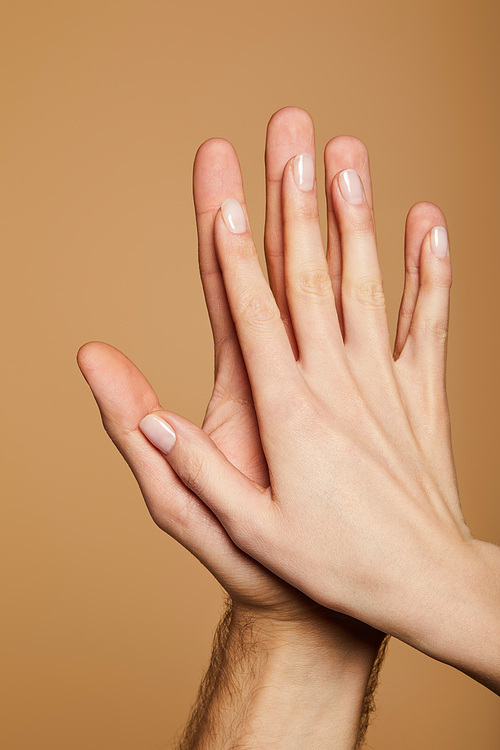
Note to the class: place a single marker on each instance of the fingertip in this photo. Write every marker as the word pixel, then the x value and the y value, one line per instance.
pixel 290 131
pixel 438 238
pixel 216 170
pixel 159 432
pixel 347 148
pixel 421 218
pixel 94 355
pixel 232 233
pixel 292 119
pixel 233 216
pixel 352 209
pixel 299 172
pixel 82 353
pixel 347 152
pixel 435 271
pixel 351 187
pixel 90 355
pixel 213 148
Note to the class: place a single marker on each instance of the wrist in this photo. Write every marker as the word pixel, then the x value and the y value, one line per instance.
pixel 454 616
pixel 310 638
pixel 300 670
pixel 466 633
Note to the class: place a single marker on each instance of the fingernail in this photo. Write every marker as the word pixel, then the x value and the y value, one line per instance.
pixel 439 242
pixel 351 187
pixel 303 171
pixel 158 432
pixel 233 216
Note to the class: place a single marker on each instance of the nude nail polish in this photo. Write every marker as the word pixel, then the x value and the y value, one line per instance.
pixel 158 432
pixel 351 187
pixel 303 171
pixel 233 216
pixel 439 242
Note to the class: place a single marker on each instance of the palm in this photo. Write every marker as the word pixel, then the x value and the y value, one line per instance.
pixel 231 422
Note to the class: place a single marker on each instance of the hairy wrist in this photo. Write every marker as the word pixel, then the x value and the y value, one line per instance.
pixel 283 684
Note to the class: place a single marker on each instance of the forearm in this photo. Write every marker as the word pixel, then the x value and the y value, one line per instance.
pixel 282 686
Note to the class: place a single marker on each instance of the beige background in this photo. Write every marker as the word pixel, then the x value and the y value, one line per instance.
pixel 107 623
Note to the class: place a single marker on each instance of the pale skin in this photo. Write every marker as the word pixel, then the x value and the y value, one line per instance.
pixel 284 654
pixel 361 509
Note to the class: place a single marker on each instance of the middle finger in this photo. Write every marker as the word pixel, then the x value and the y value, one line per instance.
pixel 290 131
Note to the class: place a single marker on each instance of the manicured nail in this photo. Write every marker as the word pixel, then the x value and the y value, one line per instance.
pixel 303 171
pixel 439 242
pixel 158 432
pixel 351 187
pixel 233 216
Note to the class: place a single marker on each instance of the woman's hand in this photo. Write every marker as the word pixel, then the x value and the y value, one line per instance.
pixel 361 511
pixel 278 652
pixel 124 396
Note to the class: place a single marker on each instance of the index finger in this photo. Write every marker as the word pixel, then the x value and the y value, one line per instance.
pixel 269 359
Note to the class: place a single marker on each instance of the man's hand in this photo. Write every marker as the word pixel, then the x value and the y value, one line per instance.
pixel 361 511
pixel 271 624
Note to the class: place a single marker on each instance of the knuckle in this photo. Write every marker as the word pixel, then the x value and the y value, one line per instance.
pixel 259 309
pixel 369 293
pixel 293 407
pixel 306 211
pixel 362 224
pixel 435 330
pixel 437 281
pixel 193 472
pixel 437 276
pixel 412 272
pixel 406 314
pixel 243 247
pixel 313 283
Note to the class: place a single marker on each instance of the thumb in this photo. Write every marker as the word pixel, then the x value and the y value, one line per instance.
pixel 124 397
pixel 238 502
